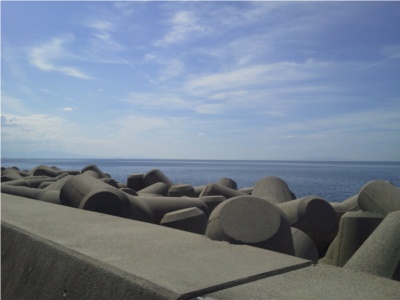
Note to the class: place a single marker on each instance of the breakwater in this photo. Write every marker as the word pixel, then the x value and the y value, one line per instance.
pixel 267 218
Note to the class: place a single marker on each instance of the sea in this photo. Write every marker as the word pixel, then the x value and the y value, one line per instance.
pixel 334 181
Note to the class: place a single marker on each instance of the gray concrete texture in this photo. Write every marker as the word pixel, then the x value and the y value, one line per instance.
pixel 304 246
pixel 50 251
pixel 350 204
pixel 179 190
pixel 315 217
pixel 380 253
pixel 314 282
pixel 216 189
pixel 354 228
pixel 379 196
pixel 252 221
pixel 274 221
pixel 273 189
pixel 190 219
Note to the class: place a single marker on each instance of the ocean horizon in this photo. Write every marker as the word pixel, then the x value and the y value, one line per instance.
pixel 332 180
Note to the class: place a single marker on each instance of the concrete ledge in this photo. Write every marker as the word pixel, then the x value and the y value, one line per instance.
pixel 314 282
pixel 51 251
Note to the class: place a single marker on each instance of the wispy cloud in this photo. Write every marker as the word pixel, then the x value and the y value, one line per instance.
pixel 183 24
pixel 126 7
pixel 170 67
pixel 243 78
pixel 32 127
pixel 156 100
pixel 68 109
pixel 47 57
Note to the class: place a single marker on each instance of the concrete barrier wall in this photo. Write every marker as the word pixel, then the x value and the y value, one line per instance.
pixel 51 251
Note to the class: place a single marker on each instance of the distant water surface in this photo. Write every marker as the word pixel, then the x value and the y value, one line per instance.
pixel 333 181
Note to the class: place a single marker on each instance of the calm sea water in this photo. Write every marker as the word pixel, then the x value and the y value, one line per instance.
pixel 333 181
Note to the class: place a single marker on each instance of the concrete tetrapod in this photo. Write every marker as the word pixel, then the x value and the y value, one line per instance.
pixel 315 217
pixel 379 196
pixel 154 176
pixel 252 221
pixel 273 189
pixel 350 204
pixel 158 188
pixel 49 194
pixel 354 228
pixel 380 253
pixel 94 171
pixel 228 182
pixel 34 181
pixel 44 170
pixel 9 174
pixel 304 246
pixel 190 219
pixel 212 201
pixel 152 209
pixel 86 192
pixel 135 182
pixel 179 190
pixel 216 189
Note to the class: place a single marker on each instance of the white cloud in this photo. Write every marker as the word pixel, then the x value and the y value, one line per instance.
pixel 171 67
pixel 100 25
pixel 228 94
pixel 245 78
pixel 68 109
pixel 182 26
pixel 46 57
pixel 125 7
pixel 36 127
pixel 148 100
pixel 12 105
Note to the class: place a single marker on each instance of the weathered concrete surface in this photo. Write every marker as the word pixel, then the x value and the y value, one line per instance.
pixel 380 253
pixel 49 251
pixel 354 228
pixel 315 282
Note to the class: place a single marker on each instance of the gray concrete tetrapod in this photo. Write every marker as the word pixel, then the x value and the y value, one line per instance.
pixel 44 170
pixel 350 204
pixel 212 201
pixel 49 194
pixel 379 196
pixel 380 253
pixel 179 190
pixel 152 209
pixel 198 190
pixel 34 181
pixel 252 221
pixel 315 217
pixel 216 189
pixel 9 174
pixel 304 246
pixel 135 182
pixel 154 176
pixel 247 190
pixel 228 182
pixel 86 192
pixel 190 219
pixel 354 228
pixel 273 189
pixel 94 171
pixel 129 191
pixel 157 188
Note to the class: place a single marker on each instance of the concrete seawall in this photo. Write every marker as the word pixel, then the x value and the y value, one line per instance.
pixel 51 251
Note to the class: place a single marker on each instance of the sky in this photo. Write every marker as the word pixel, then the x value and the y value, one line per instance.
pixel 201 80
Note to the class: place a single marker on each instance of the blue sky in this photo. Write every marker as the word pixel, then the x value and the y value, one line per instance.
pixel 201 80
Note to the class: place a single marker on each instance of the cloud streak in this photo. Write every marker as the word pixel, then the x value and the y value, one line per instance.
pixel 183 24
pixel 46 57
